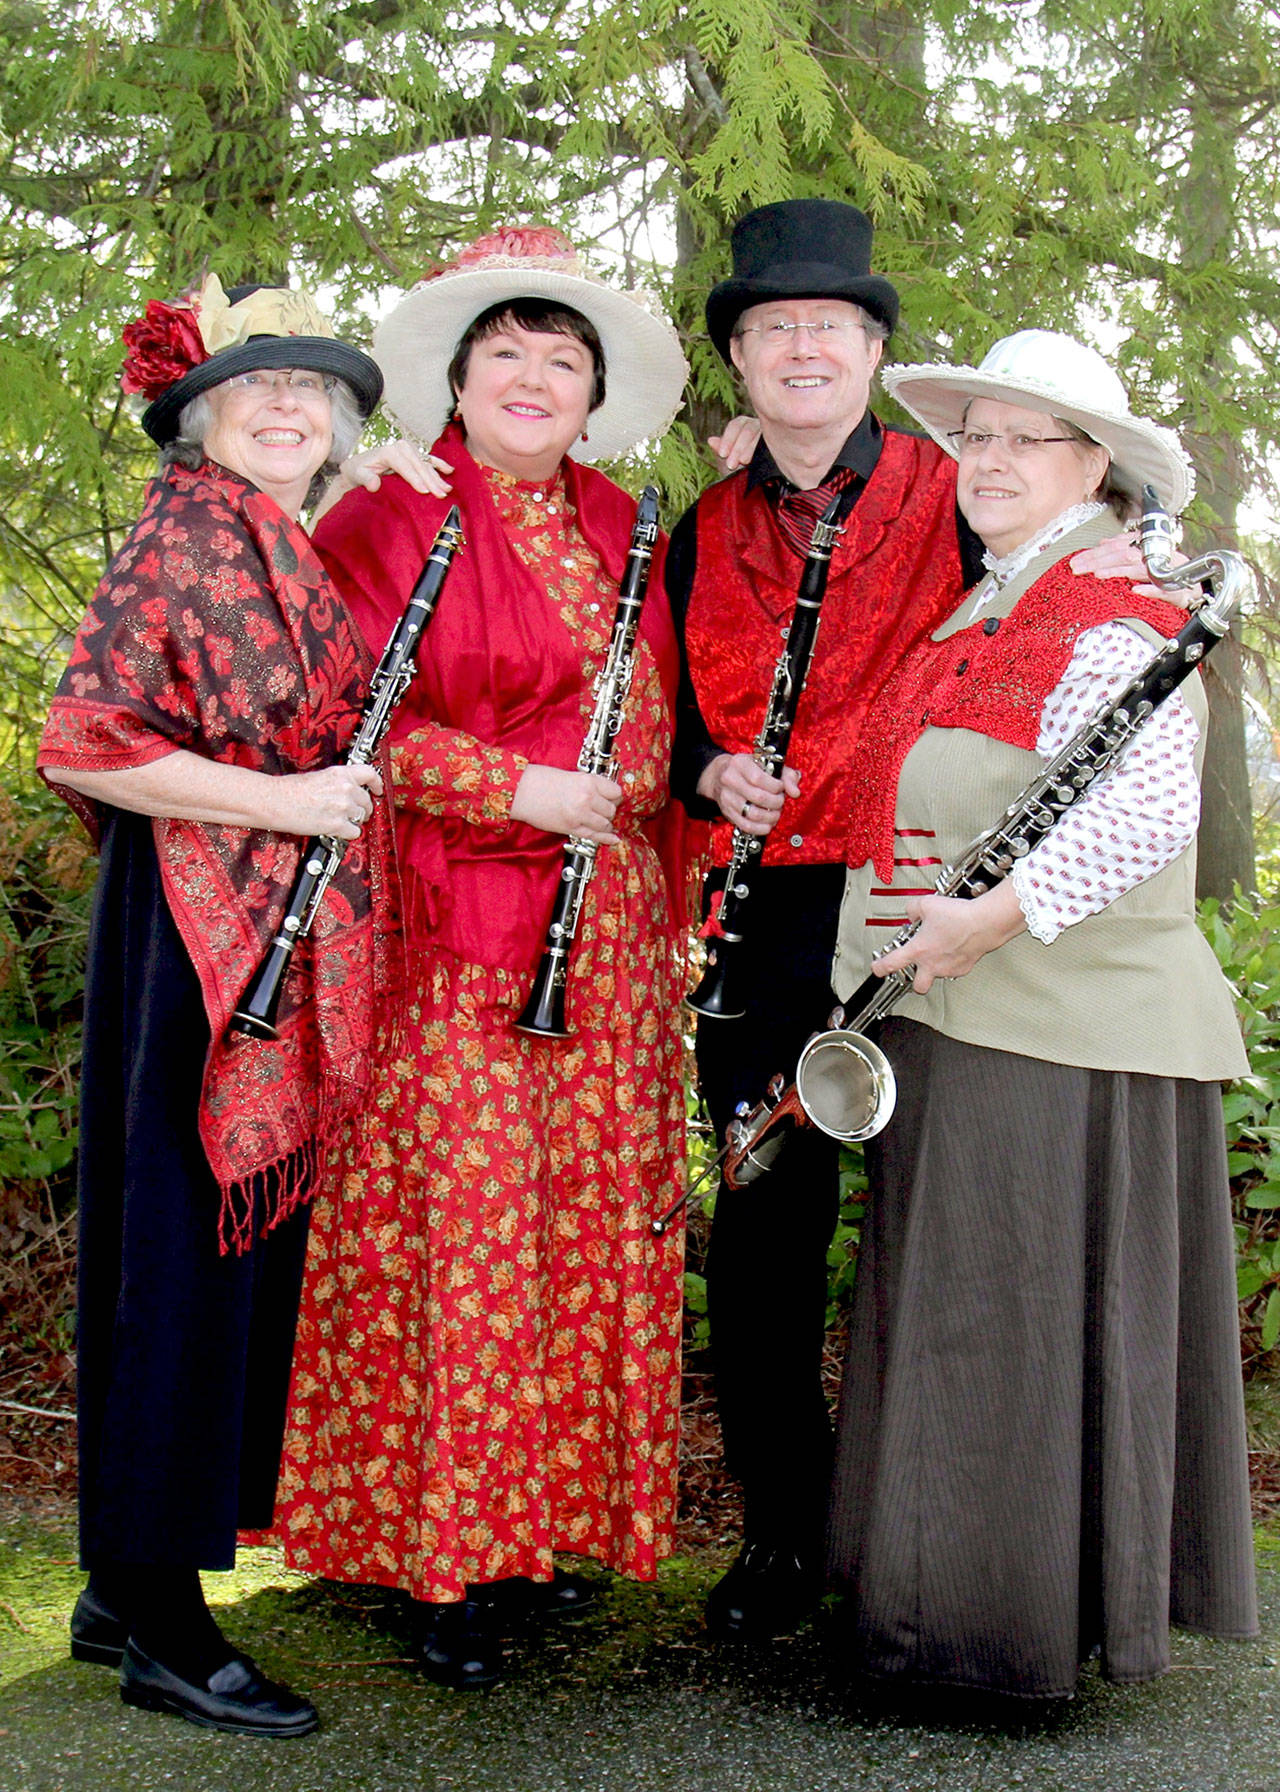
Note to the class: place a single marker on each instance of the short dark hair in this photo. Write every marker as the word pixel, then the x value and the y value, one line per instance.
pixel 540 315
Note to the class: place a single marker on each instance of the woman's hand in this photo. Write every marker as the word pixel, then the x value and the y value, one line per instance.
pixel 736 446
pixel 747 796
pixel 1120 557
pixel 335 802
pixel 561 802
pixel 367 467
pixel 954 934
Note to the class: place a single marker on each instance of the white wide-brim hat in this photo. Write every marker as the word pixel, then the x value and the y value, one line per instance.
pixel 1044 370
pixel 645 368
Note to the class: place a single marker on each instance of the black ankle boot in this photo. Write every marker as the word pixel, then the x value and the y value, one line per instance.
pixel 461 1645
pixel 99 1630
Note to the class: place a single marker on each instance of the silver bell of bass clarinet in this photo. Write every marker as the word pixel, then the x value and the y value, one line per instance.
pixel 717 995
pixel 256 1011
pixel 543 1015
pixel 843 1083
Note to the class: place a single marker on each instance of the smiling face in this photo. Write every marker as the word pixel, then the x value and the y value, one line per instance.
pixel 525 399
pixel 1019 480
pixel 272 433
pixel 801 382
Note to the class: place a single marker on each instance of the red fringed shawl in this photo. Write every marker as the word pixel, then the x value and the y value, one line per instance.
pixel 992 680
pixel 217 630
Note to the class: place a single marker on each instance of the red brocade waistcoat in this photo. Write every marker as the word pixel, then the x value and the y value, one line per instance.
pixel 895 574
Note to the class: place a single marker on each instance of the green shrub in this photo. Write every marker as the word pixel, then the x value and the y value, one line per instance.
pixel 1246 939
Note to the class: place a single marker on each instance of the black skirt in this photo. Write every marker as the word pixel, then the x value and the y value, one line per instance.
pixel 183 1355
pixel 1041 1439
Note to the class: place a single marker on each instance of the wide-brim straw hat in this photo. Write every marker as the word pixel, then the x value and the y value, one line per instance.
pixel 179 350
pixel 645 368
pixel 1043 370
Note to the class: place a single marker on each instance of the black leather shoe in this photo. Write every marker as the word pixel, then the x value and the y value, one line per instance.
pixel 96 1633
pixel 519 1599
pixel 236 1697
pixel 765 1593
pixel 461 1645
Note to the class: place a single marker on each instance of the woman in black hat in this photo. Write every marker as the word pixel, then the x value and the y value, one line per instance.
pixel 198 729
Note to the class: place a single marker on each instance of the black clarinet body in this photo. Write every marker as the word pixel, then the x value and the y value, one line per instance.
pixel 543 1015
pixel 255 1013
pixel 717 995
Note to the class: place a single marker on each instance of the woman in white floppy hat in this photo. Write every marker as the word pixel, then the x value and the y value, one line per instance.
pixel 488 1361
pixel 1041 1446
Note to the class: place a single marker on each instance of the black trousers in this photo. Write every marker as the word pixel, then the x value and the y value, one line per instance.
pixel 767 1263
pixel 183 1355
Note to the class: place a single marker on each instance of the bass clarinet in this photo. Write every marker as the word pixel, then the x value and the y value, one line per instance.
pixel 256 1011
pixel 543 1014
pixel 844 1084
pixel 717 996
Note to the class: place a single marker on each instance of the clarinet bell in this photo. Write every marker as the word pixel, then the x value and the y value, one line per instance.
pixel 543 1015
pixel 846 1085
pixel 711 998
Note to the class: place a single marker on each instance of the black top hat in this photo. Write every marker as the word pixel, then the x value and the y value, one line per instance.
pixel 318 354
pixel 799 249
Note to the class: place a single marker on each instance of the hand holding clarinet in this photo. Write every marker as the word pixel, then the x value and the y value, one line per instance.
pixel 256 1011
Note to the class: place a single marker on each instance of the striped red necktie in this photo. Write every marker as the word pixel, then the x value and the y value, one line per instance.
pixel 799 511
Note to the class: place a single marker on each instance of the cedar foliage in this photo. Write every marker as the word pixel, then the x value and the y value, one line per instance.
pixel 1109 170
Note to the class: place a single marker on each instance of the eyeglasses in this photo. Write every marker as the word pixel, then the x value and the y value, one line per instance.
pixel 298 379
pixel 1021 446
pixel 821 329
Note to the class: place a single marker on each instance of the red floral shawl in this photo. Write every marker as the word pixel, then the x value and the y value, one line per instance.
pixel 216 629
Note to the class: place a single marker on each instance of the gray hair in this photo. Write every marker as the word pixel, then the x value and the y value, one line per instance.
pixel 195 420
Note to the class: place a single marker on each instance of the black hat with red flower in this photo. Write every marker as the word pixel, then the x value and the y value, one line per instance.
pixel 176 351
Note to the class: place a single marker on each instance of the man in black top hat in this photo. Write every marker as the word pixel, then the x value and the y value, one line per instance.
pixel 803 320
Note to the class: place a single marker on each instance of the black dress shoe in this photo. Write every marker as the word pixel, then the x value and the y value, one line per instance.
pixel 461 1645
pixel 235 1697
pixel 519 1599
pixel 765 1593
pixel 96 1633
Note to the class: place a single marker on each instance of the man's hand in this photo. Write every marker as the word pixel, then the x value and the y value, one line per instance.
pixel 746 795
pixel 1120 557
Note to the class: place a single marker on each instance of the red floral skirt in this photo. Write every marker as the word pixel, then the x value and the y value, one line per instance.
pixel 488 1357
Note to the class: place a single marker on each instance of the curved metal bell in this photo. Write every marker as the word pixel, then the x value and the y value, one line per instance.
pixel 846 1085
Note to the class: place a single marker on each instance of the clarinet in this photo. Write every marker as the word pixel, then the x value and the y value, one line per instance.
pixel 543 1015
pixel 844 1084
pixel 256 1011
pixel 716 996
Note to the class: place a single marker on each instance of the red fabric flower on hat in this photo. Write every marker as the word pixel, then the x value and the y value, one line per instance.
pixel 163 344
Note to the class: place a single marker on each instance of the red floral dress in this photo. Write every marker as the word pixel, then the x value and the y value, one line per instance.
pixel 487 1366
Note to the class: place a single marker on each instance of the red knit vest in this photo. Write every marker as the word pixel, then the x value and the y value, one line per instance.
pixel 991 678
pixel 895 575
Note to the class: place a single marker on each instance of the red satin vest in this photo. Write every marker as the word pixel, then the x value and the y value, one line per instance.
pixel 895 575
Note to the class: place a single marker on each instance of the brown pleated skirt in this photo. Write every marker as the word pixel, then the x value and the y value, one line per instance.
pixel 1041 1439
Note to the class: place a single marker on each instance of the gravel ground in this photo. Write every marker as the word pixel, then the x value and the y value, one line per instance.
pixel 630 1698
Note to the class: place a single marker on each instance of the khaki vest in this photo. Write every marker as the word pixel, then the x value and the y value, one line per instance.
pixel 1135 987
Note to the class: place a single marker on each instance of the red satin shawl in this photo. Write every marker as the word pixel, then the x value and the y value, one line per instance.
pixel 499 664
pixel 990 683
pixel 895 574
pixel 217 630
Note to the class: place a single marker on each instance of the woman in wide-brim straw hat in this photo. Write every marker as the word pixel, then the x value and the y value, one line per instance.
pixel 488 1364
pixel 1041 1444
pixel 213 688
